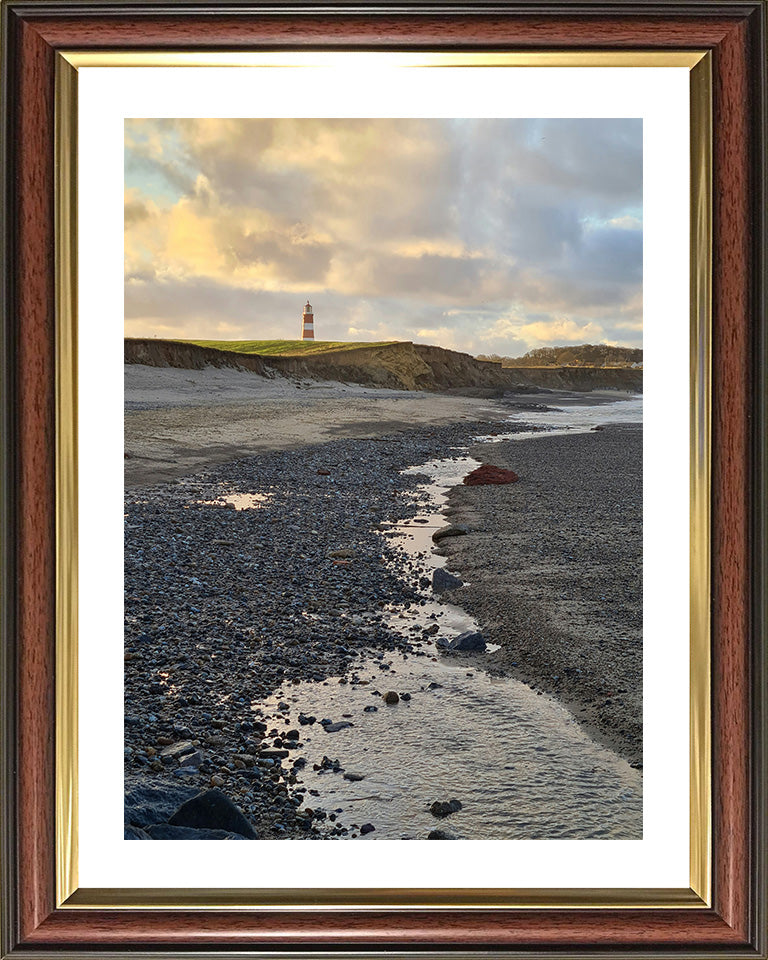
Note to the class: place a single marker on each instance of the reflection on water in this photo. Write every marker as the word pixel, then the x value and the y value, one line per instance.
pixel 237 501
pixel 518 762
pixel 571 419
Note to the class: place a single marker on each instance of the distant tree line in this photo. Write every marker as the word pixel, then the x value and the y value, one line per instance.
pixel 585 354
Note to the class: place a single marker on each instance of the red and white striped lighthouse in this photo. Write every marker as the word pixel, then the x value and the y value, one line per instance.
pixel 307 323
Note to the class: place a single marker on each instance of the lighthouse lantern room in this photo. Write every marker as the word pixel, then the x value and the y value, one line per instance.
pixel 307 323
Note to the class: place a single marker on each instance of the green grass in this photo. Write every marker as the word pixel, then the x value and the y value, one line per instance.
pixel 285 348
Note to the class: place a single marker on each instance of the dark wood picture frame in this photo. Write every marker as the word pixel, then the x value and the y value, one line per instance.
pixel 735 33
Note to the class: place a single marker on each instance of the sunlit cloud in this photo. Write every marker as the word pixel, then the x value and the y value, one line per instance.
pixel 466 233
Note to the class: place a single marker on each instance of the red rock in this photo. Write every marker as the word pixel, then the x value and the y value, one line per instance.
pixel 488 474
pixel 323 473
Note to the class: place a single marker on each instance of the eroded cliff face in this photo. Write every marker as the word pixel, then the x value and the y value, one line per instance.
pixel 397 366
pixel 580 379
pixel 187 356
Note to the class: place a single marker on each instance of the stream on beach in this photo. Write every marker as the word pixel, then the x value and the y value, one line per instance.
pixel 518 762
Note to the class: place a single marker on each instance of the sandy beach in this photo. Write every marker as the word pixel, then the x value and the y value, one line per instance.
pixel 178 422
pixel 238 621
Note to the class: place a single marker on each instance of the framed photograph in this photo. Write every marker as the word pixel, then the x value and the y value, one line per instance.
pixel 430 503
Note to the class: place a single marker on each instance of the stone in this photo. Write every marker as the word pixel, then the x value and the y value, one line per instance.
pixel 442 581
pixel 343 554
pixel 213 810
pixel 468 641
pixel 354 777
pixel 452 530
pixel 487 474
pixel 165 831
pixel 367 828
pixel 135 833
pixel 440 835
pixel 335 727
pixel 443 808
pixel 193 759
pixel 391 697
pixel 145 804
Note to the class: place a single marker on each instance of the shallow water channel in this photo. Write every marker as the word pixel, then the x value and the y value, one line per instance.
pixel 518 762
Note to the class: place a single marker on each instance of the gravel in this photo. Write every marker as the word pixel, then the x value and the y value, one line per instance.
pixel 553 566
pixel 223 606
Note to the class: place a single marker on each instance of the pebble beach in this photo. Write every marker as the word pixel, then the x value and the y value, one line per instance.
pixel 268 583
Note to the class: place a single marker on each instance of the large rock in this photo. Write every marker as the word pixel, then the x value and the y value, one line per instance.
pixel 213 810
pixel 145 804
pixel 469 641
pixel 488 474
pixel 452 530
pixel 442 581
pixel 135 833
pixel 165 831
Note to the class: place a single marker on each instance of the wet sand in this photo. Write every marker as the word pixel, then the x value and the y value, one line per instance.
pixel 554 567
pixel 553 563
pixel 177 422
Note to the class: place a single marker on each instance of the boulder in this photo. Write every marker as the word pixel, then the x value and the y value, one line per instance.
pixel 145 804
pixel 135 833
pixel 164 831
pixel 442 808
pixel 452 530
pixel 442 581
pixel 213 810
pixel 468 641
pixel 488 474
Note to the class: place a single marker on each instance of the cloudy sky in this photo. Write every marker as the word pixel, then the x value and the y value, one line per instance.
pixel 490 236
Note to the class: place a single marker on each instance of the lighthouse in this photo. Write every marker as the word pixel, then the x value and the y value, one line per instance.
pixel 307 323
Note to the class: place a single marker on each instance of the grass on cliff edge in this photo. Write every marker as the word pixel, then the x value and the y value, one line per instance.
pixel 285 348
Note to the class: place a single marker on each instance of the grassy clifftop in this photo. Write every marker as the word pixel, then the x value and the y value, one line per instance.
pixel 285 348
pixel 398 365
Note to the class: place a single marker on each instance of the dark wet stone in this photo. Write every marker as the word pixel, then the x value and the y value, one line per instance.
pixel 135 833
pixel 442 808
pixel 391 697
pixel 165 831
pixel 440 835
pixel 442 581
pixel 147 804
pixel 335 727
pixel 213 810
pixel 367 828
pixel 469 641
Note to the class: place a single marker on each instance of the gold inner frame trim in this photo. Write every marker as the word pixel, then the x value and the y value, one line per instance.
pixel 68 893
pixel 357 59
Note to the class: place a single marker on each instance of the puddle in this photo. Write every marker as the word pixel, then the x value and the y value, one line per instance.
pixel 572 419
pixel 414 538
pixel 518 762
pixel 237 501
